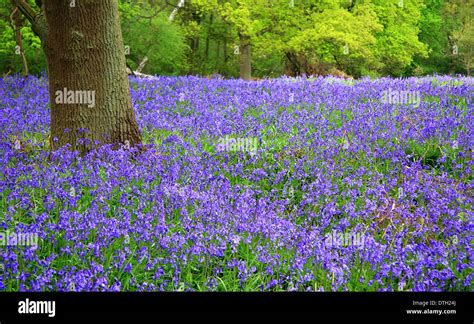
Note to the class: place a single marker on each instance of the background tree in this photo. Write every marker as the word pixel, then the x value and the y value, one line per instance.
pixel 398 43
pixel 458 14
pixel 163 43
pixel 338 37
pixel 11 56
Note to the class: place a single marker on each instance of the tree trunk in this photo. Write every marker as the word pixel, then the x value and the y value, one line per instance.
pixel 292 66
pixel 218 54
pixel 195 55
pixel 225 48
pixel 17 23
pixel 245 58
pixel 208 36
pixel 88 83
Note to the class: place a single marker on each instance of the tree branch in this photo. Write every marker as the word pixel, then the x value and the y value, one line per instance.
pixel 36 19
pixel 16 24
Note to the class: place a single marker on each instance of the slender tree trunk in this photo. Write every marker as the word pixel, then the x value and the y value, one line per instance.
pixel 218 54
pixel 245 58
pixel 17 23
pixel 208 37
pixel 468 61
pixel 206 51
pixel 88 83
pixel 225 48
pixel 195 55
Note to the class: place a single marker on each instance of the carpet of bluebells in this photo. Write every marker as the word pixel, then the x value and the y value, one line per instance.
pixel 341 190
